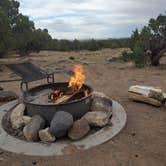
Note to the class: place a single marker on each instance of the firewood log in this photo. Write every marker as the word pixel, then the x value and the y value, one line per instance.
pixel 149 95
pixel 62 99
pixel 164 94
pixel 141 98
pixel 66 98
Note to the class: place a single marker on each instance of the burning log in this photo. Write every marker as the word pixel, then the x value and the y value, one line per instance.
pixel 66 96
pixel 74 89
pixel 55 95
pixel 62 99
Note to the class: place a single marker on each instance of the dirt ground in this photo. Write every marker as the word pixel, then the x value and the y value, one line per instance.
pixel 141 143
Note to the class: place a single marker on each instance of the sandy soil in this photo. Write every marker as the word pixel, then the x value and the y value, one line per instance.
pixel 141 143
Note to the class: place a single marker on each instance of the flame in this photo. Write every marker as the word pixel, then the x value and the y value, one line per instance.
pixel 76 84
pixel 86 92
pixel 78 79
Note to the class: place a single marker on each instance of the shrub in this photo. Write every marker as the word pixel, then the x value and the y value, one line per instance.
pixel 137 56
pixel 127 56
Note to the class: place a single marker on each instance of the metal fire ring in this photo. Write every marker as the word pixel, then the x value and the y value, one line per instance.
pixel 12 144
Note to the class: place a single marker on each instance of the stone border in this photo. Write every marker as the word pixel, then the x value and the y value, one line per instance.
pixel 12 144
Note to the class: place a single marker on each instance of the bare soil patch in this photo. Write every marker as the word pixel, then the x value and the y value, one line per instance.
pixel 142 142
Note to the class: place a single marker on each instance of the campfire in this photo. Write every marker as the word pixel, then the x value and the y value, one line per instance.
pixel 63 109
pixel 75 88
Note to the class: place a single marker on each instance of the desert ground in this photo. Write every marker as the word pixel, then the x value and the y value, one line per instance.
pixel 143 140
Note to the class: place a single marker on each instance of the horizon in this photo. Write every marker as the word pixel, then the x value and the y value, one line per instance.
pixel 93 19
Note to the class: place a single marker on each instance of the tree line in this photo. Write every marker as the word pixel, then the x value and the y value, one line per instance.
pixel 91 44
pixel 18 33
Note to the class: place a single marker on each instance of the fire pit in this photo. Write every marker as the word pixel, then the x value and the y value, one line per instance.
pixel 73 97
pixel 10 142
pixel 70 111
pixel 37 102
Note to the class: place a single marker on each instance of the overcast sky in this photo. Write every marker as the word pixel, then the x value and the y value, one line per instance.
pixel 82 19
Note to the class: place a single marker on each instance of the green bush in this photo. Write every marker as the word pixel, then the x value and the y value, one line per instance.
pixel 139 56
pixel 127 56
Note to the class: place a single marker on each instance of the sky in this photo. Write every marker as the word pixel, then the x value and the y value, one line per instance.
pixel 87 19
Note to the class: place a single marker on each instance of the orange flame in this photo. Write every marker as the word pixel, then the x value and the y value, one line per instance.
pixel 78 79
pixel 86 92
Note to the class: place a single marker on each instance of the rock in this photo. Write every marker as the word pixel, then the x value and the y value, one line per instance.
pixel 1 88
pixel 46 136
pixel 98 94
pixel 16 116
pixel 101 103
pixel 26 119
pixel 6 96
pixel 97 118
pixel 32 129
pixel 79 129
pixel 61 123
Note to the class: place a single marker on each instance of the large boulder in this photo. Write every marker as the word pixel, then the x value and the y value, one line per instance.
pixel 6 96
pixel 46 136
pixel 79 129
pixel 61 123
pixel 101 103
pixel 97 118
pixel 32 129
pixel 16 116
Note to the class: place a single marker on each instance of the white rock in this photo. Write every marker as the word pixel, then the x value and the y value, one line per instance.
pixel 99 94
pixel 16 116
pixel 31 130
pixel 26 119
pixel 101 102
pixel 97 118
pixel 46 136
